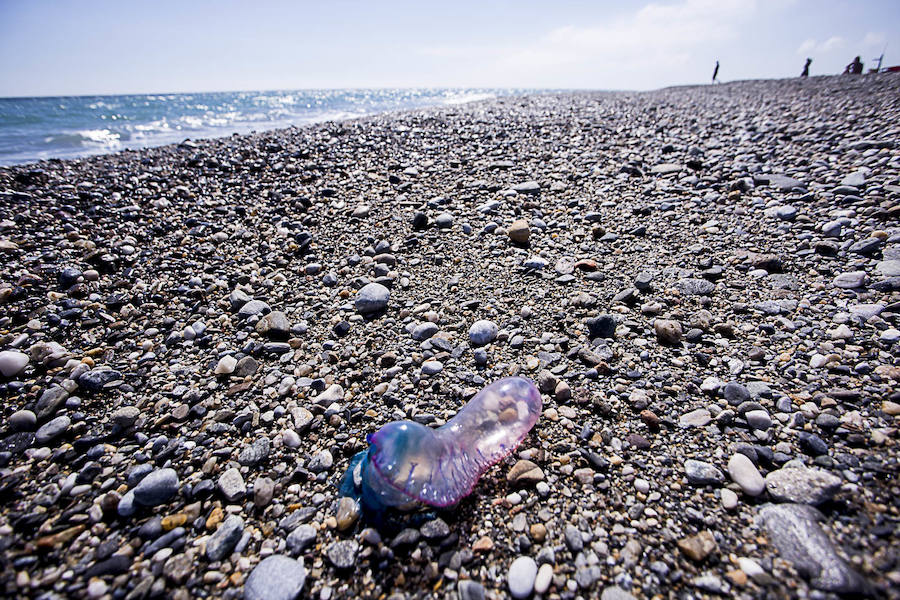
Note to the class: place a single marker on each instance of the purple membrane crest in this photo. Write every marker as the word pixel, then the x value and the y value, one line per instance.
pixel 408 463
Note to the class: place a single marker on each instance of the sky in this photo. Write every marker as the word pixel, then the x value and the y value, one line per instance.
pixel 82 47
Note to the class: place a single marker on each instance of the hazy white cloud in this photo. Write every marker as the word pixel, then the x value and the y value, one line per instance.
pixel 873 38
pixel 811 46
pixel 657 37
pixel 656 34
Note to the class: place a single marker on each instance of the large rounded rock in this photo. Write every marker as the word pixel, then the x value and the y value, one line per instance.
pixel 157 487
pixel 372 298
pixel 12 362
pixel 519 232
pixel 702 473
pixel 226 537
pixel 482 333
pixel 520 578
pixel 668 331
pixel 52 430
pixel 801 485
pixel 278 577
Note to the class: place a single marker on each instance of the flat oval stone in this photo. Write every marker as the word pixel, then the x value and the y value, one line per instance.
pixel 521 576
pixel 372 298
pixel 801 485
pixel 744 473
pixel 277 577
pixel 52 429
pixel 12 362
pixel 157 487
pixel 483 332
pixel 702 473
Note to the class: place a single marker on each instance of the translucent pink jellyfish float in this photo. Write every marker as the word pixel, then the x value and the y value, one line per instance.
pixel 408 465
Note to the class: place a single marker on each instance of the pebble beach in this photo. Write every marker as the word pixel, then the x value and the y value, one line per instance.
pixel 702 281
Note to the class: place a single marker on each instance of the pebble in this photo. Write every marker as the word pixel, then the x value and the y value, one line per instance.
pixel 525 472
pixel 543 579
pixel 795 532
pixel 347 513
pixel 469 590
pixel 276 577
pixel 301 539
pixel 801 485
pixel 231 484
pixel 668 331
pixel 850 280
pixel 702 473
pixel 274 325
pixel 758 419
pixel 521 577
pixel 12 362
pixel 698 547
pixel 52 430
pixel 321 462
pixel 614 592
pixel 22 420
pixel 432 367
pixel 255 453
pixel 700 417
pixel 744 473
pixel 342 554
pixel 226 365
pixel 125 416
pixel 519 231
pixel 482 333
pixel 729 499
pixel 372 298
pixel 222 542
pixel 157 487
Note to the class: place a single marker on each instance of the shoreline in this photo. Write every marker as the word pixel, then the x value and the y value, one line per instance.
pixel 394 112
pixel 708 299
pixel 173 118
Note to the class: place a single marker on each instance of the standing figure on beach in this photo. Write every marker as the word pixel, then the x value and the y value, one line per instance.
pixel 854 68
pixel 805 72
pixel 715 72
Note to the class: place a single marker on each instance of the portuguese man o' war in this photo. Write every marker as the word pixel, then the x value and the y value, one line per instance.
pixel 408 464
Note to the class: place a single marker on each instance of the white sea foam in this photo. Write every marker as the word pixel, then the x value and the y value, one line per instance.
pixel 104 137
pixel 468 97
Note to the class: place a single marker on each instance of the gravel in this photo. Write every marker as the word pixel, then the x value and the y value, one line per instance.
pixel 220 324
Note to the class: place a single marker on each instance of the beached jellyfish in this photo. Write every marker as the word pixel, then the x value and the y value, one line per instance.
pixel 408 464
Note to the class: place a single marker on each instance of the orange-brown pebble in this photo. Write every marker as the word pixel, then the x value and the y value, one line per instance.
pixel 170 522
pixel 215 517
pixel 483 544
pixel 737 577
pixel 538 532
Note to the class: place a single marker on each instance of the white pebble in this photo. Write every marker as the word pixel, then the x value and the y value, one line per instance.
pixel 729 499
pixel 521 576
pixel 290 438
pixel 12 362
pixel 226 365
pixel 544 578
pixel 96 588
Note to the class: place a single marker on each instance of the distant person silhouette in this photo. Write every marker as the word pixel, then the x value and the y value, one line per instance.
pixel 854 68
pixel 716 72
pixel 805 72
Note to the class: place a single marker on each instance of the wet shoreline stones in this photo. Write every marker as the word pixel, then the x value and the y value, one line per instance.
pixel 242 312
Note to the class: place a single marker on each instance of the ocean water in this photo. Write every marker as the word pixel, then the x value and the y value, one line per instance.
pixel 32 129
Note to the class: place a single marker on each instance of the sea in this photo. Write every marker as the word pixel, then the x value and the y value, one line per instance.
pixel 33 129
